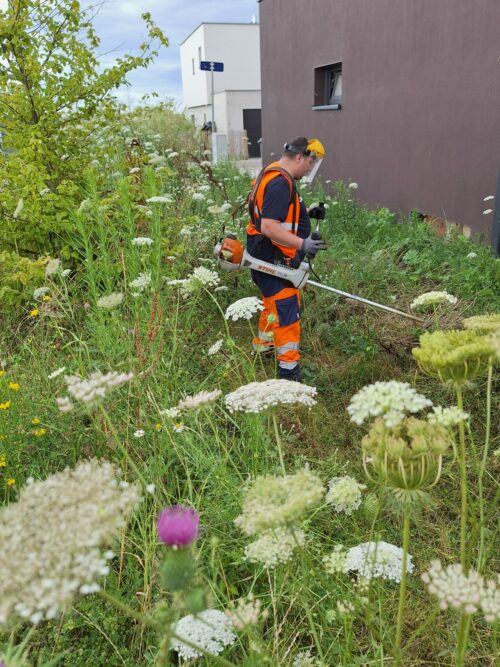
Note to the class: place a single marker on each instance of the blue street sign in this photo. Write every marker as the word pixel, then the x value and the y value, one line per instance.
pixel 210 66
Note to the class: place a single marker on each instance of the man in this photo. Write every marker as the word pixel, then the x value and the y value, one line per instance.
pixel 278 232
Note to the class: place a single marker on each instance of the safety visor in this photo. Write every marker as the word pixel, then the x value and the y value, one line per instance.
pixel 309 177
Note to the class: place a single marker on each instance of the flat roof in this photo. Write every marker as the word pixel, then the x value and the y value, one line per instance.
pixel 214 23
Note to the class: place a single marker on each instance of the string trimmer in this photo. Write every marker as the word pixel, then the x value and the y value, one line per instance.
pixel 232 256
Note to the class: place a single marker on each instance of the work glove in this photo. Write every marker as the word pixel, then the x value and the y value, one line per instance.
pixel 317 212
pixel 310 246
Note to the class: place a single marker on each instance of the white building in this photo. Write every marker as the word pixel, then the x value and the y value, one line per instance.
pixel 237 101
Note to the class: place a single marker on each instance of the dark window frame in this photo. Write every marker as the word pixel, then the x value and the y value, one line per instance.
pixel 326 79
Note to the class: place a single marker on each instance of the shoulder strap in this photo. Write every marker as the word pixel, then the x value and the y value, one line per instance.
pixel 255 214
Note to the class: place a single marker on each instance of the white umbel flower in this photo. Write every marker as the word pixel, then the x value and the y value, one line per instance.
pixel 165 199
pixel 246 612
pixel 377 559
pixel 467 592
pixel 353 186
pixel 447 417
pixel 244 309
pixel 140 283
pixel 199 400
pixel 142 241
pixel 390 400
pixel 54 539
pixel 432 299
pixel 52 267
pixel 110 301
pixel 96 386
pixel 171 413
pixel 211 630
pixel 277 501
pixel 274 547
pixel 57 372
pixel 205 276
pixel 344 494
pixel 216 347
pixel 258 396
pixel 40 292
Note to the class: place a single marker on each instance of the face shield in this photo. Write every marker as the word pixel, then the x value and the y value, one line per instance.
pixel 309 177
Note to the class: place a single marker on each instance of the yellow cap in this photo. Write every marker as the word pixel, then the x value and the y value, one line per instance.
pixel 315 146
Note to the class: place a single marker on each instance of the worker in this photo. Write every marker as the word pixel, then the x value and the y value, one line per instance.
pixel 279 232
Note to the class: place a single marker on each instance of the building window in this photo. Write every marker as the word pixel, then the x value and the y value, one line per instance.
pixel 192 63
pixel 199 55
pixel 328 86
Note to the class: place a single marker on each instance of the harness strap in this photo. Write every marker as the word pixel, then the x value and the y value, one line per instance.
pixel 253 208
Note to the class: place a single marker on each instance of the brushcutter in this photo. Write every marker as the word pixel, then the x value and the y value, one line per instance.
pixel 232 256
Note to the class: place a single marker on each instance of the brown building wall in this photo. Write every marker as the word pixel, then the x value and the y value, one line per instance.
pixel 420 120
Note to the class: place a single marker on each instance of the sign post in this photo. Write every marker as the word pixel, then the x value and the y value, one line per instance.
pixel 212 66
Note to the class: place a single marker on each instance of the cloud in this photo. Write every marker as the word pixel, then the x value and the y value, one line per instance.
pixel 121 30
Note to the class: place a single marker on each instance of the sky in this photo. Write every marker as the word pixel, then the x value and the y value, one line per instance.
pixel 121 30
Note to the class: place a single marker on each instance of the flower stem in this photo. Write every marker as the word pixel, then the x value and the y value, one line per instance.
pixel 463 636
pixel 483 468
pixel 278 443
pixel 463 485
pixel 402 585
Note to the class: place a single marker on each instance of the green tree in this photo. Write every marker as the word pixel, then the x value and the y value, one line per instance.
pixel 55 104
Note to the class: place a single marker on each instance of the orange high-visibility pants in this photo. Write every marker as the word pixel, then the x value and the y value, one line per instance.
pixel 279 327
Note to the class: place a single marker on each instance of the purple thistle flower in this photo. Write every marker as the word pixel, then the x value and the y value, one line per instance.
pixel 178 525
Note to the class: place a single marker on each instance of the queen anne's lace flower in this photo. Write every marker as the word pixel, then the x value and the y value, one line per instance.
pixel 277 501
pixel 467 592
pixel 57 372
pixel 454 356
pixel 483 323
pixel 52 539
pixel 432 299
pixel 110 301
pixel 216 347
pixel 211 630
pixel 390 400
pixel 96 386
pixel 447 417
pixel 274 546
pixel 140 283
pixel 52 267
pixel 40 292
pixel 246 612
pixel 258 396
pixel 199 400
pixel 335 562
pixel 142 241
pixel 165 199
pixel 244 309
pixel 377 559
pixel 344 494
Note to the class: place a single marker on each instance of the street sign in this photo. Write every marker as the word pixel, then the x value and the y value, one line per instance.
pixel 210 66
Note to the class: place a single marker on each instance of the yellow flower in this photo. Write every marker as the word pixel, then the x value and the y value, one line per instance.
pixel 158 427
pixel 47 298
pixel 5 406
pixel 34 312
pixel 15 386
pixel 11 481
pixel 40 432
pixel 2 373
pixel 3 461
pixel 35 421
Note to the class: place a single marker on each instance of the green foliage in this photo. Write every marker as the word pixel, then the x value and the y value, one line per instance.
pixel 18 277
pixel 54 103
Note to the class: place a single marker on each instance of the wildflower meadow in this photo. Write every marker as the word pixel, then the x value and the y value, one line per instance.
pixel 164 499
